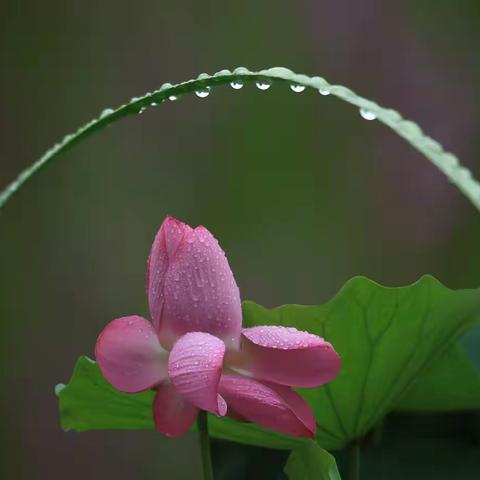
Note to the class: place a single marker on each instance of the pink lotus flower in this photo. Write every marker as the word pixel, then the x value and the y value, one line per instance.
pixel 196 355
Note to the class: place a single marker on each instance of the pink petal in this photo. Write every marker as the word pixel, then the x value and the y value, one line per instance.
pixel 200 293
pixel 195 366
pixel 287 356
pixel 272 406
pixel 164 247
pixel 130 356
pixel 173 414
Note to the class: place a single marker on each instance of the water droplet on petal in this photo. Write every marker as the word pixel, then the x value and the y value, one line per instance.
pixel 367 114
pixel 324 91
pixel 203 92
pixel 263 84
pixel 295 87
pixel 236 84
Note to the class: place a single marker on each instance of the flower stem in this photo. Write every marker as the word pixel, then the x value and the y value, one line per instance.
pixel 353 468
pixel 202 422
pixel 377 433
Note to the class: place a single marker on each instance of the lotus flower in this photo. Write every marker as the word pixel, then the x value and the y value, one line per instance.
pixel 195 354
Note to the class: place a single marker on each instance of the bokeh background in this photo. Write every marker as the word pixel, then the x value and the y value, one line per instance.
pixel 301 192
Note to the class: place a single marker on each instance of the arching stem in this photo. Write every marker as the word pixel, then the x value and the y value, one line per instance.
pixel 412 133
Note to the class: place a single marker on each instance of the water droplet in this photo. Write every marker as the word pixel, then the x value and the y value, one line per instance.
pixel 142 110
pixel 263 84
pixel 367 114
pixel 324 91
pixel 295 87
pixel 172 98
pixel 236 84
pixel 203 92
pixel 106 112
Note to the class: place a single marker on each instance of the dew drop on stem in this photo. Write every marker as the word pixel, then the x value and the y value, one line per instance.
pixel 236 84
pixel 295 87
pixel 263 84
pixel 203 92
pixel 367 114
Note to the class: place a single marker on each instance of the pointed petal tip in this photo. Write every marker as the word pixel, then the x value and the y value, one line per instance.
pixel 221 407
pixel 173 232
pixel 202 228
pixel 170 220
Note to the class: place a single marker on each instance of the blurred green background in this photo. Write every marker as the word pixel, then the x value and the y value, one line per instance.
pixel 300 191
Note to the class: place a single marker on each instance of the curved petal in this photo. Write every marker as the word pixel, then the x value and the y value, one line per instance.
pixel 195 366
pixel 287 356
pixel 162 254
pixel 272 406
pixel 130 356
pixel 173 414
pixel 200 293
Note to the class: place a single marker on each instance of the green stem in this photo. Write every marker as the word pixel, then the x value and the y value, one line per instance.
pixel 353 470
pixel 412 133
pixel 202 423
